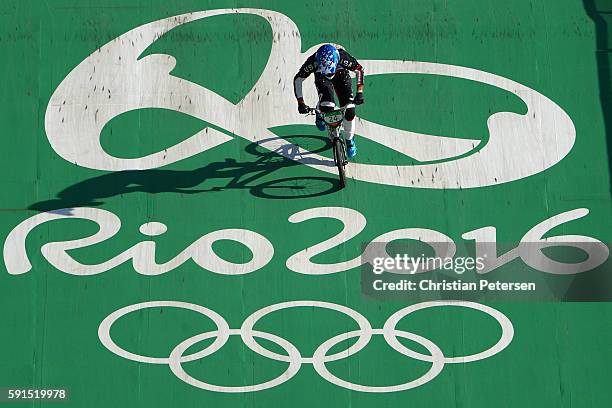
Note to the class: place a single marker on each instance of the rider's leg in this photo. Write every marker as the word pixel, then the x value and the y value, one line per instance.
pixel 344 90
pixel 326 99
pixel 348 124
pixel 349 130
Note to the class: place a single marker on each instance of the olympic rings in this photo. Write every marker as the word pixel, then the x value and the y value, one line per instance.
pixel 294 357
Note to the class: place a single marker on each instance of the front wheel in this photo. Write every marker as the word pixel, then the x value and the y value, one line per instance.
pixel 340 159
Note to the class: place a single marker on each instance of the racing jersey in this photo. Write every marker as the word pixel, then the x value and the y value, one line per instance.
pixel 346 62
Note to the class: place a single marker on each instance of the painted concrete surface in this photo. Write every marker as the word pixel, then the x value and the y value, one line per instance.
pixel 173 232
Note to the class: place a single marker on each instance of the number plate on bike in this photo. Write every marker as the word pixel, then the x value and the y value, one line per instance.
pixel 333 116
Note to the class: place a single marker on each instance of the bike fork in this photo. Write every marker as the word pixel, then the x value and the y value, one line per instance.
pixel 333 135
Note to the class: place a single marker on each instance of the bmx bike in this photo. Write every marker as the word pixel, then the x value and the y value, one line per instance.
pixel 333 120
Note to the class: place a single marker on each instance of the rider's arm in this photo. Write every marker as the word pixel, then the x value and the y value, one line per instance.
pixel 297 88
pixel 349 62
pixel 359 71
pixel 307 68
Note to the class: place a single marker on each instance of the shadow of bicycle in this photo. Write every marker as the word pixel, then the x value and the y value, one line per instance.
pixel 237 174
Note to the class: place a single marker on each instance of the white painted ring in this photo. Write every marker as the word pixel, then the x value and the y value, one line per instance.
pixel 503 342
pixel 223 331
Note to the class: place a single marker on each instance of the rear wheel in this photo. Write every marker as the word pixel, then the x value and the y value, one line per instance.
pixel 340 159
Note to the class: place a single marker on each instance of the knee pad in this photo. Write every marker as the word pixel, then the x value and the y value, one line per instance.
pixel 326 106
pixel 349 113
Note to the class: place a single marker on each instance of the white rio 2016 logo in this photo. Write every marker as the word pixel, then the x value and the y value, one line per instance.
pixel 142 254
pixel 518 145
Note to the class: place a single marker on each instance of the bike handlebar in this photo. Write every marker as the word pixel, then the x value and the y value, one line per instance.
pixel 312 111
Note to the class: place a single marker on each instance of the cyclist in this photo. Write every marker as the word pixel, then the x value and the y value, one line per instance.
pixel 331 67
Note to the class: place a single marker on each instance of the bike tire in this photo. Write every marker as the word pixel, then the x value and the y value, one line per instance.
pixel 339 159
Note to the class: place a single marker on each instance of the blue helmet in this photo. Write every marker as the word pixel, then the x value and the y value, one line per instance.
pixel 327 57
